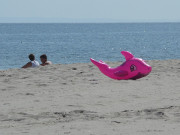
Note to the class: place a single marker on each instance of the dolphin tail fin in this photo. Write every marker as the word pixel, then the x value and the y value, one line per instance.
pixel 101 61
pixel 98 64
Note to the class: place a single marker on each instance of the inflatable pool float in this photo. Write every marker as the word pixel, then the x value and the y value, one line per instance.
pixel 133 68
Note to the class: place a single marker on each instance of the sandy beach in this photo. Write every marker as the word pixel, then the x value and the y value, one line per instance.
pixel 77 99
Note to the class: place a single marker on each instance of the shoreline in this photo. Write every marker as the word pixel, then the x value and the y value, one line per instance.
pixel 108 62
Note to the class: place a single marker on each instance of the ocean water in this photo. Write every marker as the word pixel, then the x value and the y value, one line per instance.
pixel 76 43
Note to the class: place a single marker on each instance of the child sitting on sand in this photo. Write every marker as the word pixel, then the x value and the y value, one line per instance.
pixel 32 63
pixel 44 60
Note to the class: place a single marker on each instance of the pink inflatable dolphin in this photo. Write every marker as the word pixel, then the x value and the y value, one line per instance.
pixel 133 68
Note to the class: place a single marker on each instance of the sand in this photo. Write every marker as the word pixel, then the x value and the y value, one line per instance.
pixel 76 99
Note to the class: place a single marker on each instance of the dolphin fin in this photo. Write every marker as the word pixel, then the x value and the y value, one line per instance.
pixel 98 64
pixel 127 55
pixel 101 61
pixel 121 73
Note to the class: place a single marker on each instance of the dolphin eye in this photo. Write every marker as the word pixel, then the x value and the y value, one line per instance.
pixel 133 68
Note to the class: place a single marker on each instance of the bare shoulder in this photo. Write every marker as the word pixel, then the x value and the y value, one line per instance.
pixel 48 62
pixel 29 64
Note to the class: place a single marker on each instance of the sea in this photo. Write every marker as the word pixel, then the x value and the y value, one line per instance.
pixel 66 43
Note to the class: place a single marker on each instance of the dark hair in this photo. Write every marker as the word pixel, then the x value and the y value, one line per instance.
pixel 31 57
pixel 43 56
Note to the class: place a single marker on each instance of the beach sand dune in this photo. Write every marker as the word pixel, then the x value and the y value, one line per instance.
pixel 77 99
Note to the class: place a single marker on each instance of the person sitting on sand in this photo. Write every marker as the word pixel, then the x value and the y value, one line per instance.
pixel 32 63
pixel 44 60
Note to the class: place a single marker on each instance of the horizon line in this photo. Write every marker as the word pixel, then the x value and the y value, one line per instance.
pixel 82 20
pixel 88 22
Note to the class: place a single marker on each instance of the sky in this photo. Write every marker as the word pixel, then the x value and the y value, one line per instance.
pixel 89 11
